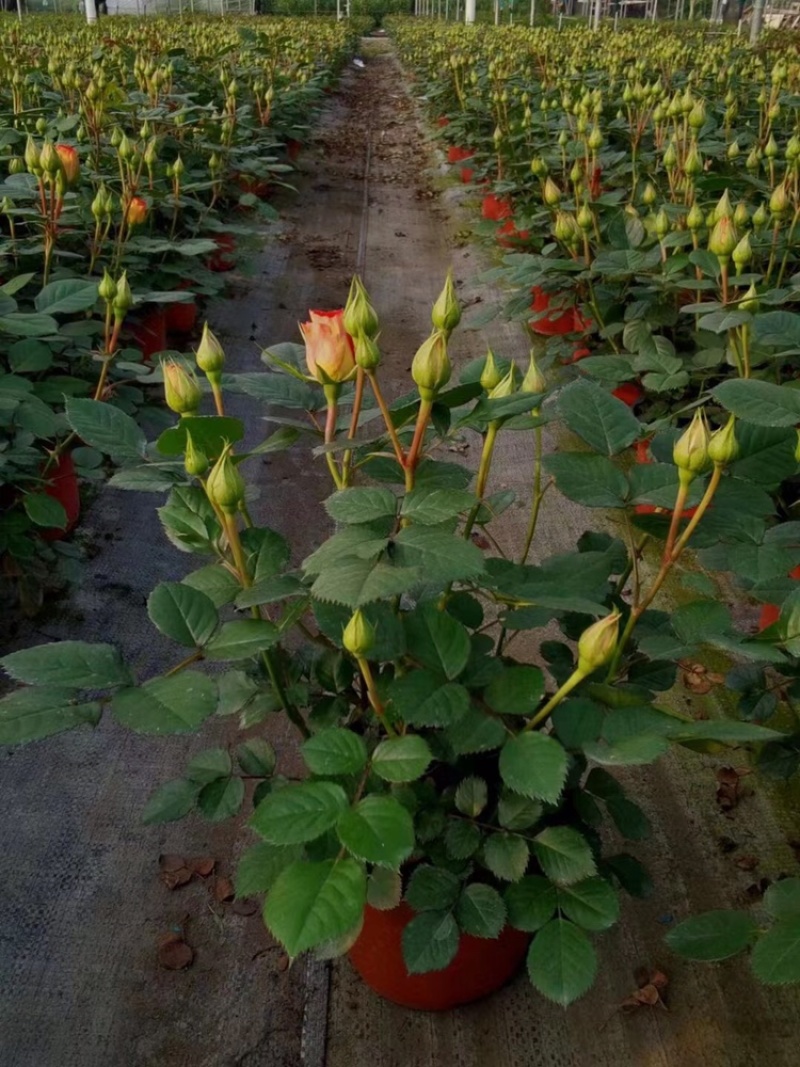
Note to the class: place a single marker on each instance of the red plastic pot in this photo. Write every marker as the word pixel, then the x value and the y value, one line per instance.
pixel 457 155
pixel 509 236
pixel 62 485
pixel 629 393
pixel 496 208
pixel 770 613
pixel 293 148
pixel 555 325
pixel 443 121
pixel 149 332
pixel 181 318
pixel 467 174
pixel 223 259
pixel 259 187
pixel 481 965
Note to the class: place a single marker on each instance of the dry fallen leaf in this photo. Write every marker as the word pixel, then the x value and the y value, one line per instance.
pixel 223 890
pixel 746 863
pixel 202 865
pixel 248 906
pixel 173 952
pixel 283 963
pixel 174 871
pixel 727 788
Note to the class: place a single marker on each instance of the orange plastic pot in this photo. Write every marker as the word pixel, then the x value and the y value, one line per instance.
pixel 480 967
pixel 770 613
pixel 496 208
pixel 62 485
pixel 149 332
pixel 223 259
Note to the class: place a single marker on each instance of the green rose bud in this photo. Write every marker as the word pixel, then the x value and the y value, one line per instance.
pixel 446 312
pixel 431 367
pixel 662 224
pixel 741 216
pixel 779 202
pixel 210 355
pixel 551 194
pixel 506 386
pixel 597 644
pixel 123 300
pixel 538 167
pixel 358 637
pixel 760 217
pixel 733 150
pixel 690 451
pixel 181 389
pixel 695 218
pixel 107 288
pixel 585 218
pixel 367 354
pixel 490 375
pixel 225 486
pixel 749 301
pixel 723 240
pixel 723 447
pixel 360 316
pixel 534 381
pixel 742 254
pixel 195 461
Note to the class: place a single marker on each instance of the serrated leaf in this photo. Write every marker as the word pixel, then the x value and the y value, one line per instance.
pixel 169 705
pixel 67 296
pixel 515 812
pixel 384 889
pixel 593 481
pixel 480 911
pixel 431 888
pixel 762 403
pixel 314 902
pixel 534 765
pixel 171 801
pixel 462 839
pixel 603 422
pixel 441 557
pixel 257 757
pixel 299 812
pixel 218 584
pixel 430 506
pixel 357 582
pixel 782 899
pixel 335 751
pixel 562 963
pixel 401 759
pixel 69 665
pixel 260 865
pixel 564 855
pixel 31 714
pixel 506 856
pixel 221 798
pixel 182 613
pixel 531 902
pixel 592 904
pixel 364 504
pixel 378 830
pixel 241 639
pixel 471 796
pixel 421 699
pixel 430 942
pixel 436 640
pixel 107 428
pixel 714 935
pixel 776 956
pixel 207 766
pixel 516 691
pixel 44 510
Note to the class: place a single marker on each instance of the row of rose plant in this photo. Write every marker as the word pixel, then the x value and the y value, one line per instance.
pixel 131 155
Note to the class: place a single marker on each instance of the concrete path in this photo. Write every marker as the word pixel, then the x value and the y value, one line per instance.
pixel 84 908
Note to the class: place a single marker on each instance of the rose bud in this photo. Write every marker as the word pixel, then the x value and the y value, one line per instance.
pixel 368 354
pixel 551 194
pixel 358 637
pixel 723 240
pixel 123 300
pixel 723 447
pixel 690 451
pixel 534 381
pixel 742 254
pixel 724 208
pixel 595 139
pixel 70 162
pixel 585 218
pixel 741 216
pixel 733 150
pixel 538 167
pixel 181 389
pixel 753 161
pixel 136 212
pixel 431 367
pixel 225 486
pixel 107 288
pixel 490 375
pixel 662 226
pixel 49 160
pixel 649 195
pixel 695 218
pixel 16 165
pixel 750 301
pixel 210 355
pixel 779 202
pixel 446 312
pixel 694 163
pixel 330 353
pixel 359 314
pixel 597 643
pixel 771 148
pixel 670 156
pixel 760 217
pixel 506 386
pixel 195 461
pixel 697 116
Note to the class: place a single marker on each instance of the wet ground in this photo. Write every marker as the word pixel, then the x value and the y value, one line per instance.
pixel 85 908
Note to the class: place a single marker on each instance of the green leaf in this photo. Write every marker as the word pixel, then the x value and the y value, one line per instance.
pixel 471 796
pixel 591 904
pixel 564 855
pixel 436 640
pixel 561 962
pixel 207 766
pixel 221 799
pixel 473 731
pixel 241 640
pixel 31 714
pixel 171 801
pixel 600 419
pixel 782 899
pixel 441 557
pixel 724 731
pixel 68 664
pixel 430 942
pixel 313 902
pixel 65 297
pixel 44 510
pixel 776 956
pixel 515 812
pixel 278 587
pixel 401 759
pixel 534 765
pixel 627 752
pixel 256 756
pixel 480 911
pixel 420 699
pixel 209 433
pixel 260 866
pixel 593 481
pixel 149 477
pixel 355 506
pixel 267 552
pixel 462 839
pixel 299 812
pixel 759 402
pixel 431 888
pixel 517 691
pixel 714 935
pixel 628 818
pixel 182 613
pixel 107 428
pixel 335 751
pixel 218 584
pixel 531 902
pixel 378 830
pixel 431 506
pixel 171 705
pixel 28 324
pixel 506 856
pixel 384 889
pixel 577 722
pixel 358 582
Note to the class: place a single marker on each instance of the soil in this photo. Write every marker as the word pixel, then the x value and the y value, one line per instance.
pixel 89 917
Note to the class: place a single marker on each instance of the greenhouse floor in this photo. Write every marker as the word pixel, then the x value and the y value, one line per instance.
pixel 85 907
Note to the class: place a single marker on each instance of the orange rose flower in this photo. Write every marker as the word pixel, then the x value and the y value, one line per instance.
pixel 330 353
pixel 70 162
pixel 137 211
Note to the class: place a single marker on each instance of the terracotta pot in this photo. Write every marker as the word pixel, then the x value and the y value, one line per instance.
pixel 62 485
pixel 496 208
pixel 770 613
pixel 149 332
pixel 481 965
pixel 224 258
